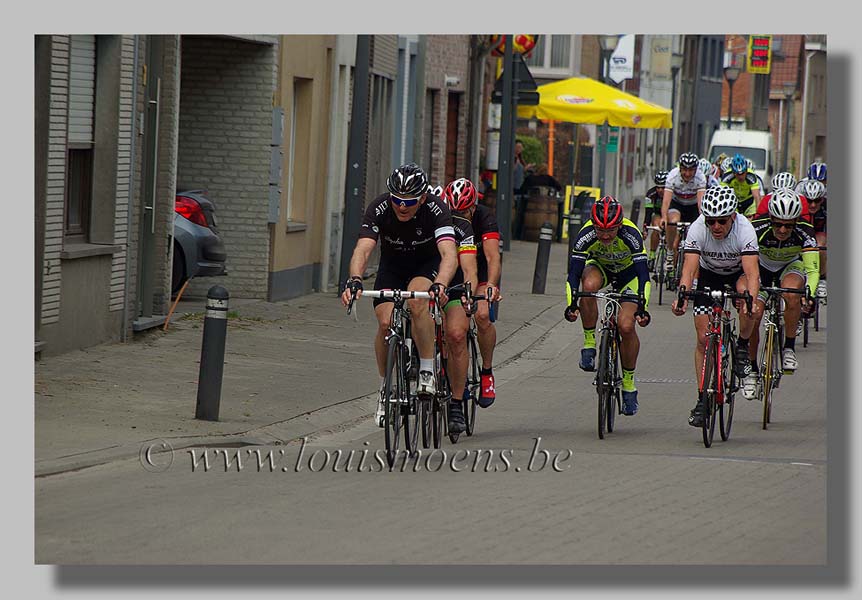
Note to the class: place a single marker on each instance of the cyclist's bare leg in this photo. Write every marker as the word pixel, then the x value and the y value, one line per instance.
pixel 746 324
pixel 456 325
pixel 420 320
pixel 486 331
pixel 630 344
pixel 591 281
pixel 383 311
pixel 653 238
pixel 821 241
pixel 701 323
pixel 671 234
pixel 792 304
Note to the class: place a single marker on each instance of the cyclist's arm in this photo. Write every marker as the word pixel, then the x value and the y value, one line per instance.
pixel 491 250
pixel 665 203
pixel 751 268
pixel 448 260
pixel 700 193
pixel 470 268
pixel 690 268
pixel 359 260
pixel 811 262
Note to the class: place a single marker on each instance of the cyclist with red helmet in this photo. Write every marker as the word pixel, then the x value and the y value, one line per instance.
pixel 609 250
pixel 462 198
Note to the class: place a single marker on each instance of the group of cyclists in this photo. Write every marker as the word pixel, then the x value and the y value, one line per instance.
pixel 431 239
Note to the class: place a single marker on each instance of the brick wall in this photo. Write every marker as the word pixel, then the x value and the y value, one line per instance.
pixel 225 130
pixel 447 55
pixel 56 184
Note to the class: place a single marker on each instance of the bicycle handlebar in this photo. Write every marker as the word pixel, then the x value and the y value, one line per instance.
pixel 783 290
pixel 716 295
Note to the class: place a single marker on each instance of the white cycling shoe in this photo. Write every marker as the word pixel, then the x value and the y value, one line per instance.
pixel 426 386
pixel 749 386
pixel 789 361
pixel 821 289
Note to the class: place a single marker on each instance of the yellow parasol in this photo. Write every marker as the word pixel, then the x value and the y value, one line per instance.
pixel 585 100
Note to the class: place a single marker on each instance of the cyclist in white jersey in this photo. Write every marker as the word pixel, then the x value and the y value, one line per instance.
pixel 721 249
pixel 683 192
pixel 705 167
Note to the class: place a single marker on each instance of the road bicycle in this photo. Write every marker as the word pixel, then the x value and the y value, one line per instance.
pixel 608 380
pixel 401 404
pixel 673 277
pixel 660 274
pixel 718 381
pixel 771 368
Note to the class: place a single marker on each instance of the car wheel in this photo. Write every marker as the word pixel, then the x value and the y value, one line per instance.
pixel 178 271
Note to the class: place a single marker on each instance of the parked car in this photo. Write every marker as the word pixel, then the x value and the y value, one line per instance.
pixel 198 248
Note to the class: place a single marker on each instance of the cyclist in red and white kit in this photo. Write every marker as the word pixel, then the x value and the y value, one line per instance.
pixel 683 192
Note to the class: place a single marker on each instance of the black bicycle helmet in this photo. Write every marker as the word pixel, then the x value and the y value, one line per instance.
pixel 407 181
pixel 660 178
pixel 688 160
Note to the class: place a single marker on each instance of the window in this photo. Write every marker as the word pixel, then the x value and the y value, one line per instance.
pixel 552 52
pixel 299 149
pixel 80 135
pixel 560 51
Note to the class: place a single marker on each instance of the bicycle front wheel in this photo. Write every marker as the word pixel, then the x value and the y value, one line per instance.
pixel 660 257
pixel 708 390
pixel 474 382
pixel 612 406
pixel 394 389
pixel 767 374
pixel 603 388
pixel 725 414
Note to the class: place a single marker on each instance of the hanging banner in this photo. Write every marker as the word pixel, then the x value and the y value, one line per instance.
pixel 623 59
pixel 759 54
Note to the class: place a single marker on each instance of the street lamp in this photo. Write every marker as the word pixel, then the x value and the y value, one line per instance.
pixel 731 73
pixel 789 90
pixel 675 66
pixel 608 44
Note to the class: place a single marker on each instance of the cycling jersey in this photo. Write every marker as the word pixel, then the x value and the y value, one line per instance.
pixel 652 203
pixel 464 237
pixel 685 192
pixel 723 256
pixel 744 190
pixel 624 252
pixel 713 182
pixel 405 243
pixel 775 255
pixel 485 228
pixel 763 208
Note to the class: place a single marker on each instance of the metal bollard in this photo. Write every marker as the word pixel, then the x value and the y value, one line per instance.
pixel 212 354
pixel 636 210
pixel 543 254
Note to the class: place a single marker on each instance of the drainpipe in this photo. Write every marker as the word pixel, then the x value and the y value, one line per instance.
pixel 803 160
pixel 125 333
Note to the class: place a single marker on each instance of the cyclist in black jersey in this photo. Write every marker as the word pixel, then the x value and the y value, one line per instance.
pixel 417 252
pixel 652 214
pixel 462 197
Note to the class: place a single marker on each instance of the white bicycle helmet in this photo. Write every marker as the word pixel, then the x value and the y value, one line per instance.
pixel 814 189
pixel 705 167
pixel 785 204
pixel 783 180
pixel 726 165
pixel 718 201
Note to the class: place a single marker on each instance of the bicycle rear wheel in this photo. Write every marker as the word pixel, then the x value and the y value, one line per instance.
pixel 409 411
pixel 426 410
pixel 767 374
pixel 707 392
pixel 817 315
pixel 473 385
pixel 394 388
pixel 725 414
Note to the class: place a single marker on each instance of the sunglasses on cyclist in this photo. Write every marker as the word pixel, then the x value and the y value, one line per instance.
pixel 405 202
pixel 716 220
pixel 779 225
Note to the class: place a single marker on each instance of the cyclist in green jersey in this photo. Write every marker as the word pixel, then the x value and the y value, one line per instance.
pixel 745 184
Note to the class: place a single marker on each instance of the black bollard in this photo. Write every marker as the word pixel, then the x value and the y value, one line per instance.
pixel 636 210
pixel 543 254
pixel 212 354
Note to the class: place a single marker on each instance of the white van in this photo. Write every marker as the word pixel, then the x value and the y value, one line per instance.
pixel 755 145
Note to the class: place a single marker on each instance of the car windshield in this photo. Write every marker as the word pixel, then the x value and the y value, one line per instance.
pixel 757 155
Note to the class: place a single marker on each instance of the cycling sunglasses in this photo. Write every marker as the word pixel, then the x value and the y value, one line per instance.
pixel 778 225
pixel 713 220
pixel 405 202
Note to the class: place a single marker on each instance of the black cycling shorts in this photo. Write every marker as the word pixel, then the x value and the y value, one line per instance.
pixel 397 276
pixel 687 212
pixel 713 281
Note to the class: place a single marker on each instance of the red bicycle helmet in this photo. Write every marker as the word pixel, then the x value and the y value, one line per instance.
pixel 460 194
pixel 607 213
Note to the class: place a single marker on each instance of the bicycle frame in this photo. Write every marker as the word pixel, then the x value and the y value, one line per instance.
pixel 771 368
